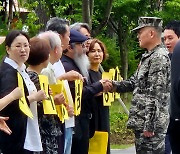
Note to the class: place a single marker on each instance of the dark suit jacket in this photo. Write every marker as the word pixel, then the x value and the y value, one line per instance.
pixel 89 90
pixel 81 137
pixel 17 119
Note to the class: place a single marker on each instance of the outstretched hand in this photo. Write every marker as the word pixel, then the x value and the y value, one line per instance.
pixel 3 126
pixel 107 85
pixel 71 76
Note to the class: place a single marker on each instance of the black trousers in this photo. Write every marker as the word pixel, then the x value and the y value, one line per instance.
pixel 80 141
pixel 174 135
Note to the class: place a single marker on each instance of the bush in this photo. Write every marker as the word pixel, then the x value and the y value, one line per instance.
pixel 113 51
pixel 119 134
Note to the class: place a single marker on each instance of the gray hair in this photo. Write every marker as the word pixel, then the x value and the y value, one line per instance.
pixel 78 25
pixel 57 24
pixel 158 30
pixel 52 37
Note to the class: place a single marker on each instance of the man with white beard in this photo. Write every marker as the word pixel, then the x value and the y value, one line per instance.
pixel 82 61
pixel 75 59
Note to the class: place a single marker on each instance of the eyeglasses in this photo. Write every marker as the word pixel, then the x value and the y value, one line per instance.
pixel 19 47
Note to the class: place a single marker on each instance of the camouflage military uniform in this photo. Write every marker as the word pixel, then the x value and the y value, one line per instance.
pixel 149 109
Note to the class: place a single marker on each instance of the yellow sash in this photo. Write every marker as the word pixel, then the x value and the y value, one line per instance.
pixel 22 101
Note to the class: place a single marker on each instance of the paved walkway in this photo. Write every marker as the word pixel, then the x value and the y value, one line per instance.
pixel 130 150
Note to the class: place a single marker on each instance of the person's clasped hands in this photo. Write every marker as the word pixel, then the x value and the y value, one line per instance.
pixel 107 85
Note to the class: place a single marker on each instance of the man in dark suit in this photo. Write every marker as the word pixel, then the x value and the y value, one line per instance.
pixel 75 59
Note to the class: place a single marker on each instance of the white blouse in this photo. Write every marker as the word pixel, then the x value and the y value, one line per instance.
pixel 33 138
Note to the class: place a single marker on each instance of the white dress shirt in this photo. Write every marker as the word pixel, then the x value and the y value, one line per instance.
pixel 59 70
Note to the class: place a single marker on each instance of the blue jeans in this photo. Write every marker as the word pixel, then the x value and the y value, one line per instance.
pixel 68 140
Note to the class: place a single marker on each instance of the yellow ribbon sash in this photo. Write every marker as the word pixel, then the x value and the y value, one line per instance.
pixel 22 101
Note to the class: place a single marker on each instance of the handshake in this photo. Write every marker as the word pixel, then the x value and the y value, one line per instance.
pixel 108 85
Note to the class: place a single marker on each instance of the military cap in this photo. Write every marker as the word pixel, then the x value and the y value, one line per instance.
pixel 148 22
pixel 77 37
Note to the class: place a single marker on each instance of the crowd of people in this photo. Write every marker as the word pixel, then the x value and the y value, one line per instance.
pixel 68 52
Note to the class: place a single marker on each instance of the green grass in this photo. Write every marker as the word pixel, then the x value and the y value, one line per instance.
pixel 119 134
pixel 123 146
pixel 116 106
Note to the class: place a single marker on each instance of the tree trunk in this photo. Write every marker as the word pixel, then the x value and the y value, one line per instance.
pixel 91 7
pixel 122 40
pixel 123 50
pixel 42 15
pixel 51 9
pixel 159 5
pixel 3 12
pixel 106 18
pixel 86 11
pixel 91 12
pixel 156 5
pixel 10 16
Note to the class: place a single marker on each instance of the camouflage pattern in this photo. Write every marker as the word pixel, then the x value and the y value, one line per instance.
pixel 149 145
pixel 151 88
pixel 148 22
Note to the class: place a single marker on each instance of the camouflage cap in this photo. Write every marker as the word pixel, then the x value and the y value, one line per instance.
pixel 148 22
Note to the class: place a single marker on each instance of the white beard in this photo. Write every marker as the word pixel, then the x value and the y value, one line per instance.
pixel 83 63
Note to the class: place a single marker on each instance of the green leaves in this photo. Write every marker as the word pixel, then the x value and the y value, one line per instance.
pixel 118 122
pixel 171 11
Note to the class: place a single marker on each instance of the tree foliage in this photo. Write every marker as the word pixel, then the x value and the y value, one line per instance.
pixel 112 20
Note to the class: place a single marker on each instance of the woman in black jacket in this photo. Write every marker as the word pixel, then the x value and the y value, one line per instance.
pixel 22 140
pixel 100 117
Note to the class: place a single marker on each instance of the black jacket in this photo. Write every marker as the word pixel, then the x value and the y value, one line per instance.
pixel 175 83
pixel 89 90
pixel 17 119
pixel 80 141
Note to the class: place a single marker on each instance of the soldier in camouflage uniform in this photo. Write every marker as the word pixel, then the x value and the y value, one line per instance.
pixel 150 84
